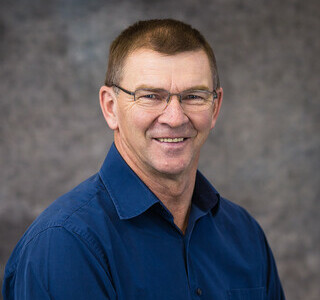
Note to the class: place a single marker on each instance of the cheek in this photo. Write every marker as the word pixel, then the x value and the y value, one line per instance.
pixel 202 122
pixel 134 123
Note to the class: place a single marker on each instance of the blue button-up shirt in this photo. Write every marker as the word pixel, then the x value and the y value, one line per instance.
pixel 112 238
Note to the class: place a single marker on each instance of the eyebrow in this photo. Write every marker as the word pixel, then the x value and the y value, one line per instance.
pixel 152 88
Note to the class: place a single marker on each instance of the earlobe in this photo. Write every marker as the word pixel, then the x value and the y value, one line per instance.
pixel 217 106
pixel 108 106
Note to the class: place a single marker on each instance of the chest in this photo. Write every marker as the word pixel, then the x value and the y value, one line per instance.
pixel 156 261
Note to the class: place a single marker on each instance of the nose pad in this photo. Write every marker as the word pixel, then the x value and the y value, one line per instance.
pixel 173 114
pixel 171 95
pixel 169 100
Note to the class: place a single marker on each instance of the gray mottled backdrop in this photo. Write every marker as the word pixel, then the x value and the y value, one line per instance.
pixel 263 154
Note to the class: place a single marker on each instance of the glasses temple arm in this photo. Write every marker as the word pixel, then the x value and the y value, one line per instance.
pixel 124 90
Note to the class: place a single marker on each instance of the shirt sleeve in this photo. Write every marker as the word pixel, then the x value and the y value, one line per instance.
pixel 59 265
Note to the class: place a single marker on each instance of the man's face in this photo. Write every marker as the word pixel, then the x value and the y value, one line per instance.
pixel 140 134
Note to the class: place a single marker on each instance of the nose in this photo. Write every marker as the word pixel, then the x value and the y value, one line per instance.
pixel 173 115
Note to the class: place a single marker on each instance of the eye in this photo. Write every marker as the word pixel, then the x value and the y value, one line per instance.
pixel 191 96
pixel 195 97
pixel 143 95
pixel 151 96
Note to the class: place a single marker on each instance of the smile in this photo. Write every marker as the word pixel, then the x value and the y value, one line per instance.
pixel 169 140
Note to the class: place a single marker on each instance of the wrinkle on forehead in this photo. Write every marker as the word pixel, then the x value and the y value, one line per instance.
pixel 174 73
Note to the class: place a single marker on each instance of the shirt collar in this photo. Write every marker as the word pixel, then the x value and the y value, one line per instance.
pixel 132 197
pixel 205 196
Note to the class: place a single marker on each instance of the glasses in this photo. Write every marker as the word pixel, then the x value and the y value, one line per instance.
pixel 158 99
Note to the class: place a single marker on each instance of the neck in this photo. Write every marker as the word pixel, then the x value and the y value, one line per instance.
pixel 175 194
pixel 174 191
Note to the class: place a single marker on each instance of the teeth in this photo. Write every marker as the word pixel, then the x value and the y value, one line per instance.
pixel 168 140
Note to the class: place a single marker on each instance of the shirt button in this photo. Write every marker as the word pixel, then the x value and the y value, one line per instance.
pixel 199 292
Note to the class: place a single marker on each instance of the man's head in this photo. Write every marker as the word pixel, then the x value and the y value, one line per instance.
pixel 165 36
pixel 163 140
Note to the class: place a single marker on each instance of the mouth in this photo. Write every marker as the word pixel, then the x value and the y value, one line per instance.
pixel 171 140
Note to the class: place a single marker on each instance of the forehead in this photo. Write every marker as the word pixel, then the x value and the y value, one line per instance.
pixel 145 67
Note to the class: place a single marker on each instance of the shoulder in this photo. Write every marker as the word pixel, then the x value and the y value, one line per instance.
pixel 234 210
pixel 57 263
pixel 227 214
pixel 237 223
pixel 224 210
pixel 236 215
pixel 72 217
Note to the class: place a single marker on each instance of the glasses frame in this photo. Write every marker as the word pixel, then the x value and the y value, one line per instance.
pixel 214 93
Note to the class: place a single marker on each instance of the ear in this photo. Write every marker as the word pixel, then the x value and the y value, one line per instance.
pixel 108 106
pixel 217 106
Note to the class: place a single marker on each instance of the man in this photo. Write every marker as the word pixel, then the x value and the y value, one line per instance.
pixel 149 225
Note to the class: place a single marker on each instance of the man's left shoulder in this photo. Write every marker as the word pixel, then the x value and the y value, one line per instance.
pixel 225 210
pixel 236 217
pixel 236 210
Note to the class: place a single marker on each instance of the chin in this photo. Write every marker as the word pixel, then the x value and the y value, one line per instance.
pixel 171 169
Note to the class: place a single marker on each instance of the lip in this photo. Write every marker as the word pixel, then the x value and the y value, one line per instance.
pixel 172 145
pixel 170 139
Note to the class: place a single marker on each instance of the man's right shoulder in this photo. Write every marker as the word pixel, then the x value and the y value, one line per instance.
pixel 77 212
